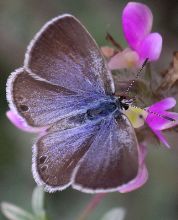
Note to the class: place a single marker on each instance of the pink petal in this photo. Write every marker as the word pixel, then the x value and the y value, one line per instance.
pixel 20 123
pixel 150 47
pixel 161 138
pixel 125 59
pixel 140 180
pixel 169 124
pixel 157 122
pixel 141 177
pixel 158 133
pixel 160 123
pixel 108 52
pixel 164 104
pixel 137 22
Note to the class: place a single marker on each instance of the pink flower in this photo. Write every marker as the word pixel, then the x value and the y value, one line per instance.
pixel 137 20
pixel 142 174
pixel 158 119
pixel 20 123
pixel 156 123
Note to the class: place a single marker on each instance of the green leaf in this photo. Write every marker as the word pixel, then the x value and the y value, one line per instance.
pixel 38 203
pixel 13 212
pixel 115 214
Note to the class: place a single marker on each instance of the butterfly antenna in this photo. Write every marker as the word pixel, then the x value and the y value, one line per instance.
pixel 155 113
pixel 136 77
pixel 159 115
pixel 133 98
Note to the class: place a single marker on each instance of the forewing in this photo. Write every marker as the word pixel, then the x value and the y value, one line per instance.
pixel 64 71
pixel 57 153
pixel 112 159
pixel 42 103
pixel 64 53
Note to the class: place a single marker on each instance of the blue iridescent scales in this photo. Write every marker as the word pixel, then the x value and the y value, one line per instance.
pixel 66 87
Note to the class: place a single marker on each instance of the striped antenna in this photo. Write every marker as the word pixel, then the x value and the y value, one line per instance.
pixel 161 116
pixel 137 76
pixel 144 109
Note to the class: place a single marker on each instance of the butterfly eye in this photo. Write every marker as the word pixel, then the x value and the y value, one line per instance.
pixel 122 97
pixel 42 159
pixel 24 108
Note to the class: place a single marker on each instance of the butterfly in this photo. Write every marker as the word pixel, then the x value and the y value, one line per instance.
pixel 66 87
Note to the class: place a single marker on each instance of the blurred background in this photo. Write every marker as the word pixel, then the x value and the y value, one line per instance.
pixel 19 21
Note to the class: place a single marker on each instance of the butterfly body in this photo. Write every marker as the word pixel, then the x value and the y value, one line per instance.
pixel 103 109
pixel 65 87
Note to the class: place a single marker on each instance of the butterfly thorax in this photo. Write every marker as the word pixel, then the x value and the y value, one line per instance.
pixel 101 110
pixel 112 106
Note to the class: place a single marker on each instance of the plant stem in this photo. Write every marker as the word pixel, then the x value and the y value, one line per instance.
pixel 95 200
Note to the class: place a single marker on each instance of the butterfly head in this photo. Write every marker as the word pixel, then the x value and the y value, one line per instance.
pixel 125 102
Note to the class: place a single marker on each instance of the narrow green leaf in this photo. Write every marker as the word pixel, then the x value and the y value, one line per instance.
pixel 38 203
pixel 115 214
pixel 13 212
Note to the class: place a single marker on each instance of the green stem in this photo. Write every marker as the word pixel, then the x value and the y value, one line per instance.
pixel 95 200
